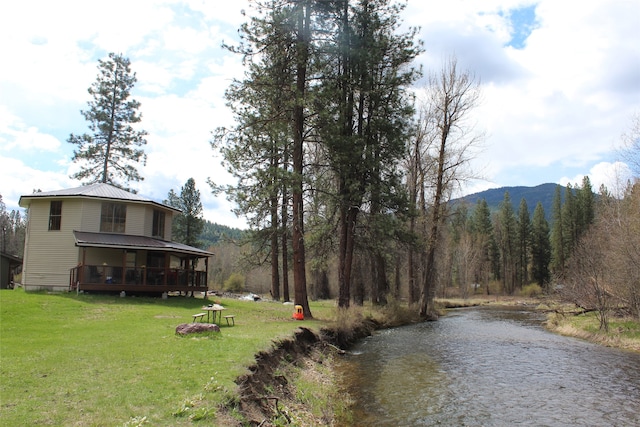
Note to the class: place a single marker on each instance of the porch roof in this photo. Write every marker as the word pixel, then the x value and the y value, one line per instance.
pixel 127 241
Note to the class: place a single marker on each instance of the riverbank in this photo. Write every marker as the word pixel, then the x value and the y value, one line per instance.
pixel 565 319
pixel 295 383
pixel 624 333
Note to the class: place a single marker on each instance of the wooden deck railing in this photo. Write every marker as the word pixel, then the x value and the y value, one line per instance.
pixel 104 277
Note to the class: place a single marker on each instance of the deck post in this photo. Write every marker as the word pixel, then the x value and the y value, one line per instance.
pixel 124 266
pixel 206 276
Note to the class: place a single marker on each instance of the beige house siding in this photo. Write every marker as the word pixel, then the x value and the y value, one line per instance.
pixel 136 220
pixel 148 221
pixel 167 226
pixel 50 254
pixel 90 215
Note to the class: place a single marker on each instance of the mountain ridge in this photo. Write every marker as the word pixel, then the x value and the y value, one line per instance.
pixel 543 193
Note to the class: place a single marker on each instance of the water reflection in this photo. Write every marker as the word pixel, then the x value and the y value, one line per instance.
pixel 489 367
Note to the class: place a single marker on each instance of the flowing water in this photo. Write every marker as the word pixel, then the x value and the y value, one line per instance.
pixel 489 367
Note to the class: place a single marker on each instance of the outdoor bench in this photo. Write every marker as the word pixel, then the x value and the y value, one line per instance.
pixel 198 316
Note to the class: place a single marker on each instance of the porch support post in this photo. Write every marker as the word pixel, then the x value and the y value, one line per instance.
pixel 206 276
pixel 192 263
pixel 81 275
pixel 167 260
pixel 124 265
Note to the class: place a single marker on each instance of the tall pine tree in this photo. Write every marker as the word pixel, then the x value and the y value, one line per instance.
pixel 570 216
pixel 187 225
pixel 482 230
pixel 265 149
pixel 586 206
pixel 540 248
pixel 112 150
pixel 558 256
pixel 363 113
pixel 507 242
pixel 524 236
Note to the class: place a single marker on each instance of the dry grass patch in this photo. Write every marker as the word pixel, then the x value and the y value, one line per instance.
pixel 623 333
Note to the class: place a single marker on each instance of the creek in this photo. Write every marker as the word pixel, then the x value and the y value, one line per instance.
pixel 489 366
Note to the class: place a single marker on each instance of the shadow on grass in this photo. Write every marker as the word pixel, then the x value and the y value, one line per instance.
pixel 112 298
pixel 212 335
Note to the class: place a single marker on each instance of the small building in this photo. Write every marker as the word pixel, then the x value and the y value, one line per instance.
pixel 101 238
pixel 9 266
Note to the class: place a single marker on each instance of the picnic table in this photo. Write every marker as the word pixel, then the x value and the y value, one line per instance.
pixel 216 309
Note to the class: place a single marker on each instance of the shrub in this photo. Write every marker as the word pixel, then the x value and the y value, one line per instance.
pixel 235 283
pixel 495 287
pixel 532 290
pixel 396 313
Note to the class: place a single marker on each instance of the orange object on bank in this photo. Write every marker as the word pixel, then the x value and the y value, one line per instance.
pixel 298 314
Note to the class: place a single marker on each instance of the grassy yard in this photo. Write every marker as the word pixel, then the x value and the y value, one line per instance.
pixel 95 360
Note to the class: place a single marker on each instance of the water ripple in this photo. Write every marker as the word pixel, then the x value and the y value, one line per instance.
pixel 490 367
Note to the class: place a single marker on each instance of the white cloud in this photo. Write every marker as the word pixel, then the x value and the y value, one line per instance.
pixel 228 12
pixel 614 176
pixel 15 135
pixel 20 179
pixel 32 139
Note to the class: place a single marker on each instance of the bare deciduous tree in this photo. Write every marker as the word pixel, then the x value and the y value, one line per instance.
pixel 588 279
pixel 444 157
pixel 631 146
pixel 621 224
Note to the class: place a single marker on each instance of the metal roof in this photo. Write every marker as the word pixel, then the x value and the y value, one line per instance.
pixel 97 190
pixel 127 241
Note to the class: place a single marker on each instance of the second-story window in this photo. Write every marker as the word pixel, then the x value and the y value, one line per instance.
pixel 55 215
pixel 158 224
pixel 113 217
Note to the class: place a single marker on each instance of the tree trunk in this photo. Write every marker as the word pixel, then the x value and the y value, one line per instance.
pixel 358 279
pixel 285 247
pixel 348 218
pixel 427 296
pixel 275 265
pixel 381 282
pixel 302 54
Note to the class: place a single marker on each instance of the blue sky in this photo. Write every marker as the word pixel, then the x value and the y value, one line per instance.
pixel 560 85
pixel 522 21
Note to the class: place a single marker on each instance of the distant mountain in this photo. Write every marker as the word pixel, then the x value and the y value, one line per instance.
pixel 543 193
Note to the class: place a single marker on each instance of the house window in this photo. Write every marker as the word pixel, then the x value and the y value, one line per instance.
pixel 55 215
pixel 158 224
pixel 113 217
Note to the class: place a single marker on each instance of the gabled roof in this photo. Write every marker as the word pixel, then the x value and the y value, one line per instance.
pixel 127 241
pixel 97 190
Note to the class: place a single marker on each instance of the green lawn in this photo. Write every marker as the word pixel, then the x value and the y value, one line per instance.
pixel 95 360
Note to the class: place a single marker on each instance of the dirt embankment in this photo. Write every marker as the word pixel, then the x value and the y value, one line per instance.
pixel 268 392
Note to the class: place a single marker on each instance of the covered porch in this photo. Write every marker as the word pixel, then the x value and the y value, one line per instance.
pixel 137 264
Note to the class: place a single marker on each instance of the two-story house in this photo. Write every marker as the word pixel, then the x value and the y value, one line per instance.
pixel 102 238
